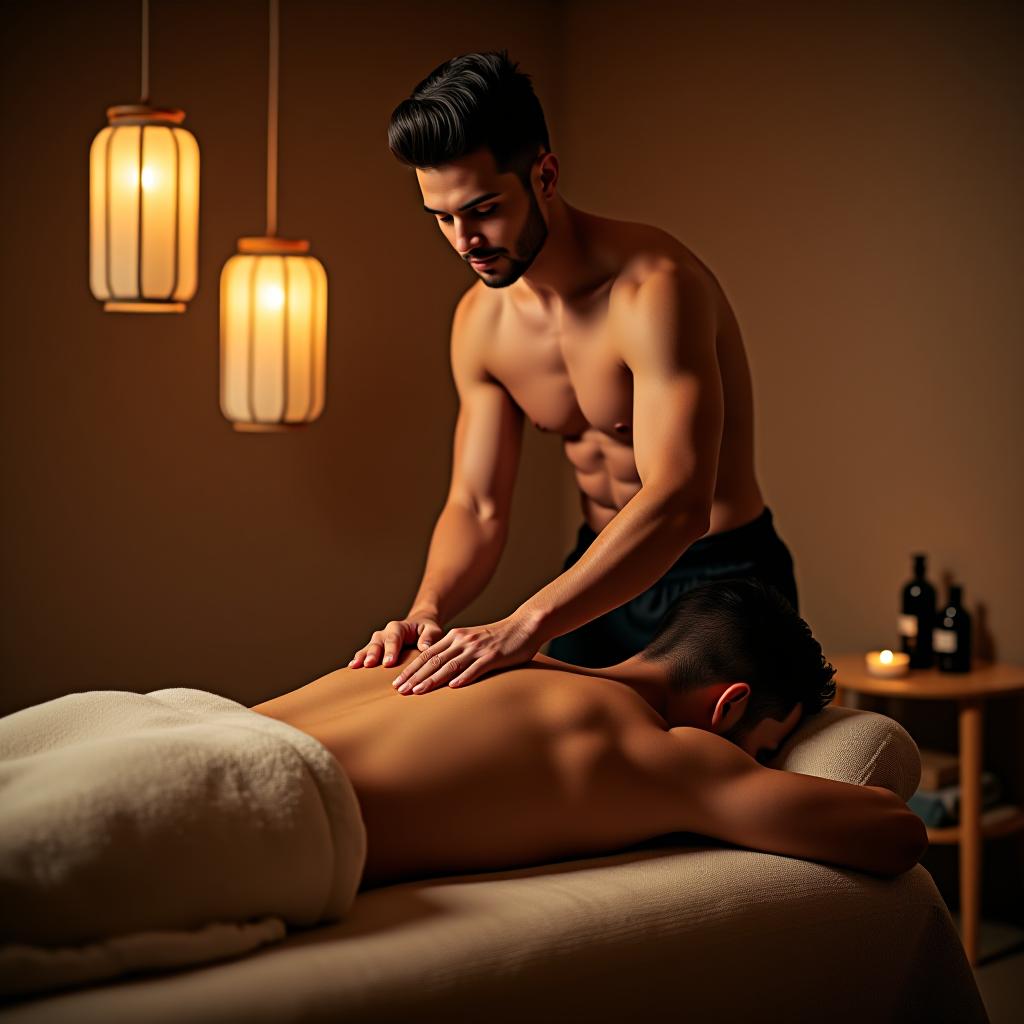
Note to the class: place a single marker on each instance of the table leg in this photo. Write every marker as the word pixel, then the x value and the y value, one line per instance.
pixel 970 825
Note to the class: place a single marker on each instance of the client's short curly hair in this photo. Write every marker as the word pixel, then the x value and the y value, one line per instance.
pixel 743 629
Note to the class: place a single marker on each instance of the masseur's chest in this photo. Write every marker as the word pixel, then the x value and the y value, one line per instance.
pixel 567 375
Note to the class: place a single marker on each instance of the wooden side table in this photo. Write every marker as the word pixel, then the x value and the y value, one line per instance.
pixel 969 690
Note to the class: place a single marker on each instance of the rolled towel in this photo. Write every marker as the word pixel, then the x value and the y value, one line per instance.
pixel 142 831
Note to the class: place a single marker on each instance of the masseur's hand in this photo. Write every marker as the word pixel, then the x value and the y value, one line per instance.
pixel 415 630
pixel 464 654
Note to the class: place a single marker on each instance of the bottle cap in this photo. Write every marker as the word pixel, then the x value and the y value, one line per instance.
pixel 955 592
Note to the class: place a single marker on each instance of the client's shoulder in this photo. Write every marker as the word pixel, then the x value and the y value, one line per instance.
pixel 570 700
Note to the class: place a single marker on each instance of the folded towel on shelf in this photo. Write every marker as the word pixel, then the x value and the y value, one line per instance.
pixel 142 831
pixel 939 808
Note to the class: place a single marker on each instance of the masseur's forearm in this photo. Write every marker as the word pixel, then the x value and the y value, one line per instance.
pixel 647 535
pixel 463 554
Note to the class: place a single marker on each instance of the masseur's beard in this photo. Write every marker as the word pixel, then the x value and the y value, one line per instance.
pixel 528 245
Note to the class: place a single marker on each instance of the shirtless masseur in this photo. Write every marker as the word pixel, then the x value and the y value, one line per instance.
pixel 612 334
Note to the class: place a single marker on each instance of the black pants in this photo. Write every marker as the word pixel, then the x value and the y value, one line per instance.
pixel 753 549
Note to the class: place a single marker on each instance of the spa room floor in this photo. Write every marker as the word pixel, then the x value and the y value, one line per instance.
pixel 1000 974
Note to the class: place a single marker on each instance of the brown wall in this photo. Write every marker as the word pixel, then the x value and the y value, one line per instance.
pixel 146 543
pixel 850 174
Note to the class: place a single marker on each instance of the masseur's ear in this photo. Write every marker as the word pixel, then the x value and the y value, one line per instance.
pixel 548 178
pixel 730 707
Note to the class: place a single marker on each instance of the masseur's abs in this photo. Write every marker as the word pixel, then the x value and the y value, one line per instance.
pixel 523 768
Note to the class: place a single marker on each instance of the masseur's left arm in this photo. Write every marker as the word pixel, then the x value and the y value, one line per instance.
pixel 668 344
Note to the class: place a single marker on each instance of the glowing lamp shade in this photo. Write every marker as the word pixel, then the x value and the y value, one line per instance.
pixel 143 212
pixel 273 335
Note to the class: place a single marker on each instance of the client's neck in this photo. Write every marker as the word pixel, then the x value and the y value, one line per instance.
pixel 648 678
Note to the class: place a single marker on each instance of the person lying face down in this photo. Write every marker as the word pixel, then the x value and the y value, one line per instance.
pixel 552 760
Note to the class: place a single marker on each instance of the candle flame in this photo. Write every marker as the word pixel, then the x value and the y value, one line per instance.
pixel 885 657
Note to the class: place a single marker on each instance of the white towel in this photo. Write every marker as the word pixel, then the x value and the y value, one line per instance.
pixel 142 831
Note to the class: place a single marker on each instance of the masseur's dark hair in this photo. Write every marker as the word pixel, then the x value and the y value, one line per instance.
pixel 469 101
pixel 743 629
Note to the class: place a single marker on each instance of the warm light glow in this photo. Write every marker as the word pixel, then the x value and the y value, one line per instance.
pixel 149 178
pixel 887 664
pixel 273 339
pixel 271 297
pixel 143 251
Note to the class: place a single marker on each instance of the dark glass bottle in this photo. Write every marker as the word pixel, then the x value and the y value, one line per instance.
pixel 951 637
pixel 917 617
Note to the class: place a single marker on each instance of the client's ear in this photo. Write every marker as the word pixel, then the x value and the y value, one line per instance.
pixel 730 707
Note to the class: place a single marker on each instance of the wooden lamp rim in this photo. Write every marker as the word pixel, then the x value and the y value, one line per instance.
pixel 264 245
pixel 140 113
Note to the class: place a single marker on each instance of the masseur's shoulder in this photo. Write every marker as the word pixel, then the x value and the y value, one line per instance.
pixel 475 315
pixel 472 325
pixel 475 309
pixel 654 262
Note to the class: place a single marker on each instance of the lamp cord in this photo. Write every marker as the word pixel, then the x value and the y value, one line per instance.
pixel 144 98
pixel 272 124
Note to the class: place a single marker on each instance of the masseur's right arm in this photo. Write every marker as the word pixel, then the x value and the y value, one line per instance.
pixel 471 530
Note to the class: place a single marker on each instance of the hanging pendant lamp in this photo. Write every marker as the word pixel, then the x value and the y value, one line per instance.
pixel 144 206
pixel 273 313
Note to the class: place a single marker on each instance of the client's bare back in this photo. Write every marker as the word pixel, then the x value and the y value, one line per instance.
pixel 534 764
pixel 523 767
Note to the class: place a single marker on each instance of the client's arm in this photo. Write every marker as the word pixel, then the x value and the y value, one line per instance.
pixel 721 791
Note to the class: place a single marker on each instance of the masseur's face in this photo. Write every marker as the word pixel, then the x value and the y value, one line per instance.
pixel 484 214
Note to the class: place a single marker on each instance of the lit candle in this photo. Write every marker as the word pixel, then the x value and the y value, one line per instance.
pixel 887 664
